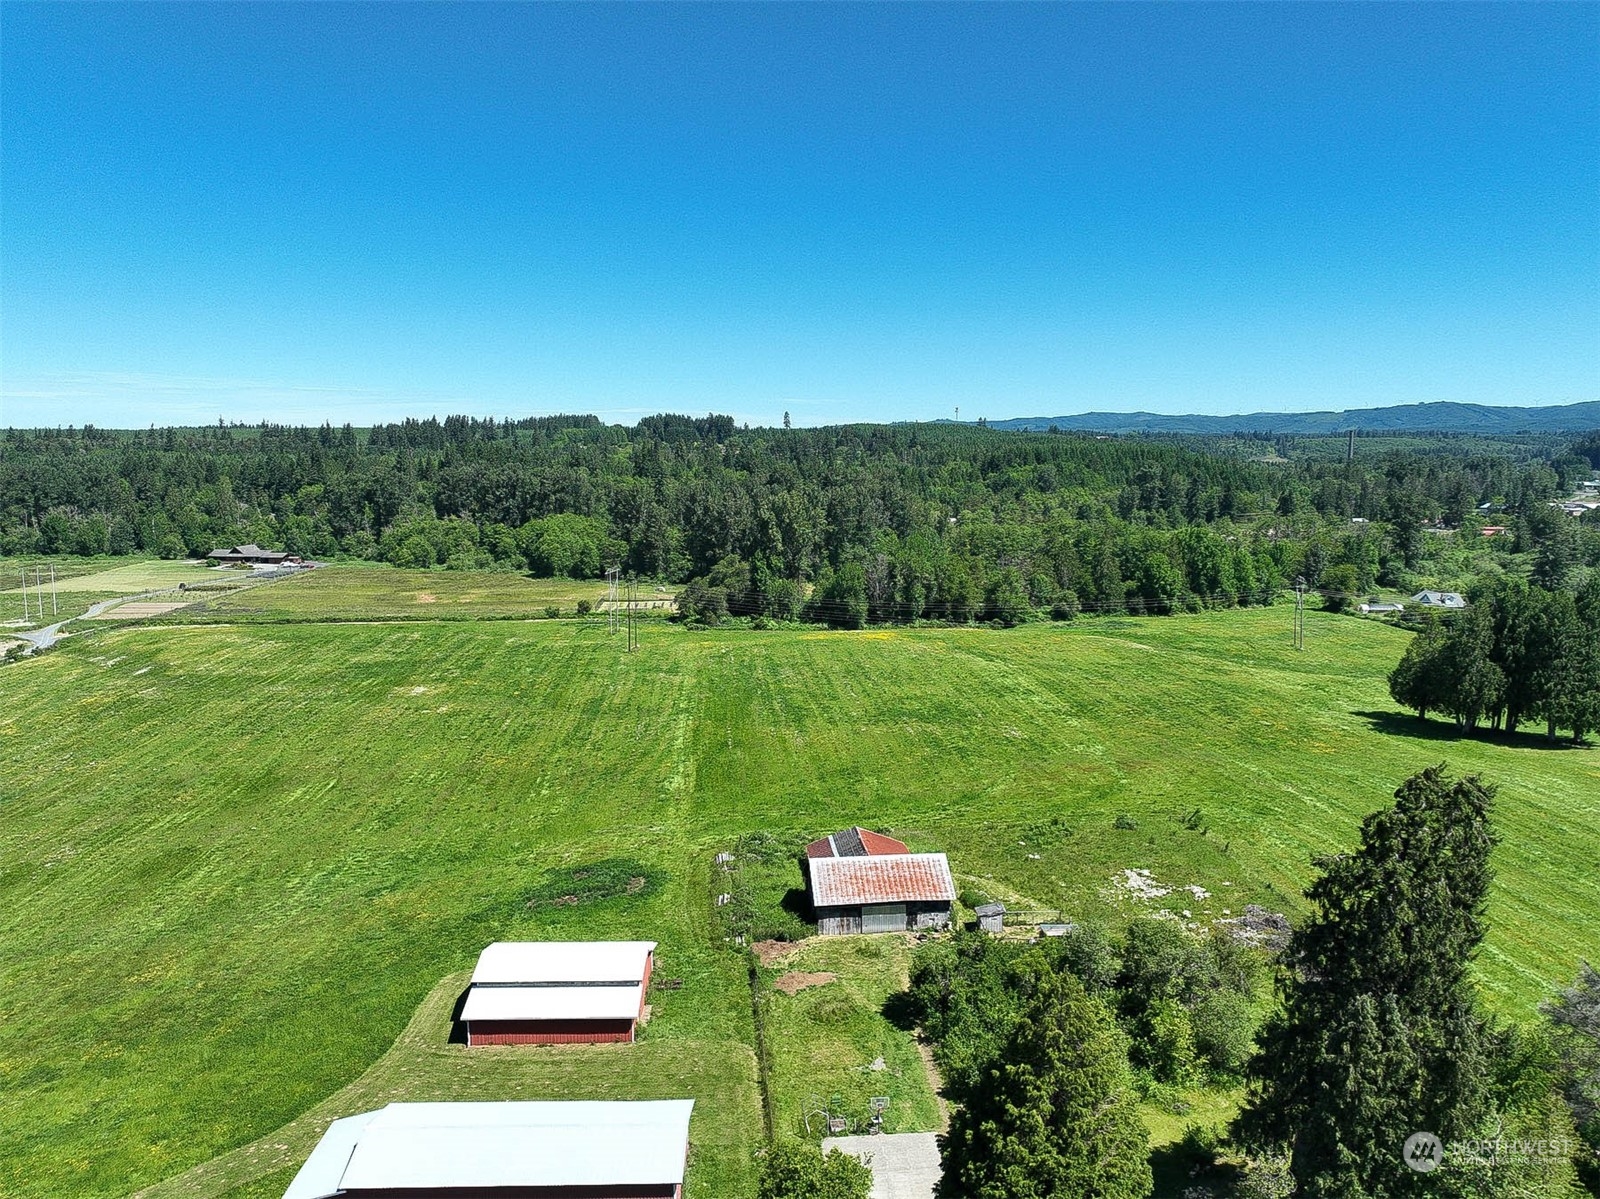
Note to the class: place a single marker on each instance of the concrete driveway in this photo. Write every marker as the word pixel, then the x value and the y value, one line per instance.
pixel 904 1165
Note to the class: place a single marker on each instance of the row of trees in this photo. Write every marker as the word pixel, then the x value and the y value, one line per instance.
pixel 912 521
pixel 1519 653
pixel 1377 1035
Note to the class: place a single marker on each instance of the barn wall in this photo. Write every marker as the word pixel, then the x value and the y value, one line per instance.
pixel 838 922
pixel 549 1032
pixel 929 915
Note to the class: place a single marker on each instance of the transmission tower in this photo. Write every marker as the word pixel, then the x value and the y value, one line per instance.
pixel 611 598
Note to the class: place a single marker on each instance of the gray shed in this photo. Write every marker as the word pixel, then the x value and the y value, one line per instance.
pixel 991 916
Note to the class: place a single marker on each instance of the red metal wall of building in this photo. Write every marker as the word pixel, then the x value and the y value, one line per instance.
pixel 549 1032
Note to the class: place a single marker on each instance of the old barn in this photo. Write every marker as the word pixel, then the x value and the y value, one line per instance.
pixel 558 992
pixel 532 1150
pixel 881 893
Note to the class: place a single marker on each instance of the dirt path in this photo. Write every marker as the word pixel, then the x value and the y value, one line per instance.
pixel 44 638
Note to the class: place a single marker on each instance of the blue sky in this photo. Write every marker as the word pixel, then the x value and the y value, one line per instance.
pixel 316 211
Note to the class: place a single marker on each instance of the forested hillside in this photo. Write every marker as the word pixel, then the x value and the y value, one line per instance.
pixel 861 522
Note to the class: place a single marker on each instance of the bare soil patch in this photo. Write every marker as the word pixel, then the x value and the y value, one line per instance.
pixel 427 597
pixel 770 953
pixel 799 980
pixel 135 611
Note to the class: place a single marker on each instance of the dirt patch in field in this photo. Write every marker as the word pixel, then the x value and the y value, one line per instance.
pixel 426 597
pixel 135 611
pixel 797 980
pixel 770 953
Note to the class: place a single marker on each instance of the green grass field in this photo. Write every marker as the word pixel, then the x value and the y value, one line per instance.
pixel 374 592
pixel 238 861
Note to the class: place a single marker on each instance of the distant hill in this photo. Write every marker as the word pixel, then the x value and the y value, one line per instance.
pixel 1442 417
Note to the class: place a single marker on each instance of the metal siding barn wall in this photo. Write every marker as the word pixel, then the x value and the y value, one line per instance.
pixel 883 918
pixel 549 1032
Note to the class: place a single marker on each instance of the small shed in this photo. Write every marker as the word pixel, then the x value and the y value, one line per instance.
pixel 881 893
pixel 991 916
pixel 558 992
pixel 597 1149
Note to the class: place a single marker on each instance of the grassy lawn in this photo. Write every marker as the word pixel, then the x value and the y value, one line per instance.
pixel 424 1064
pixel 235 859
pixel 830 1042
pixel 374 592
pixel 121 578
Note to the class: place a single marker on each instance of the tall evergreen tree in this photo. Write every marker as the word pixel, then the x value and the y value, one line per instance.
pixel 1378 1035
pixel 1055 1115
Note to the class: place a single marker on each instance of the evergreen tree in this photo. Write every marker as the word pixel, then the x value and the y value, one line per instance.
pixel 1378 1035
pixel 1419 680
pixel 1575 1019
pixel 1055 1115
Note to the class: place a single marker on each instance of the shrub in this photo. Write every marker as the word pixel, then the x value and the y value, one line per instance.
pixel 584 607
pixel 795 1170
pixel 552 611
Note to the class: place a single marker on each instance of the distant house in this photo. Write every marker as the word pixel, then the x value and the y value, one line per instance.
pixel 1494 530
pixel 1438 599
pixel 1382 609
pixel 881 893
pixel 558 992
pixel 596 1149
pixel 251 555
pixel 855 842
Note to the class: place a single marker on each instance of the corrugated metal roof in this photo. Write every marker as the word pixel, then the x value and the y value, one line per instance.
pixel 515 1144
pixel 890 878
pixel 563 962
pixel 854 842
pixel 553 1003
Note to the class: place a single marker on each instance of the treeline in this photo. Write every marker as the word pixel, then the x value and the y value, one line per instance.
pixel 1519 653
pixel 860 522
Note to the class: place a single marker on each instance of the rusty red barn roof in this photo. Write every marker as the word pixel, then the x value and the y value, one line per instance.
pixel 881 878
pixel 855 842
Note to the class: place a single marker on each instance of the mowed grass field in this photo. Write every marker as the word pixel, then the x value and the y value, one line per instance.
pixel 376 592
pixel 237 862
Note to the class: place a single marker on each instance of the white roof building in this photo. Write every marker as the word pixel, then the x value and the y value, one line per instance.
pixel 607 1147
pixel 557 992
pixel 1439 599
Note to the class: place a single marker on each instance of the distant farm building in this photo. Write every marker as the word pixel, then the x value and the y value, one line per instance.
pixel 991 916
pixel 881 893
pixel 855 842
pixel 1382 609
pixel 250 555
pixel 530 1150
pixel 558 992
pixel 1438 599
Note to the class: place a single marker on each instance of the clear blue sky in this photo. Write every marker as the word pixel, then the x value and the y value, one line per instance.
pixel 316 211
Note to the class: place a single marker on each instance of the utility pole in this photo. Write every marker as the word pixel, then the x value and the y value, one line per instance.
pixel 1300 612
pixel 633 597
pixel 611 598
pixel 38 589
pixel 55 608
pixel 25 612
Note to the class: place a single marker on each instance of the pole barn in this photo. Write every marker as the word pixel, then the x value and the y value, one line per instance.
pixel 558 992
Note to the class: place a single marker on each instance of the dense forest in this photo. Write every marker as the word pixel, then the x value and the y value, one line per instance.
pixel 850 524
